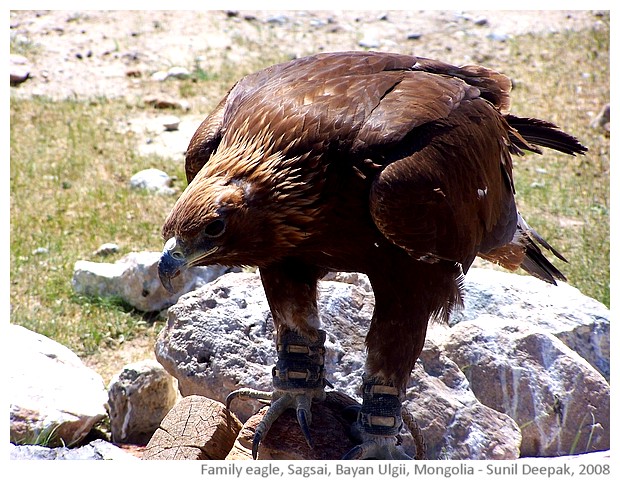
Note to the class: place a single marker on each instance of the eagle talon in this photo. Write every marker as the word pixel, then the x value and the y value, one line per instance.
pixel 377 447
pixel 379 419
pixel 298 378
pixel 248 393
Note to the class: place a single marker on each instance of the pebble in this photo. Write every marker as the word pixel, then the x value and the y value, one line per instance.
pixel 481 21
pixel 159 76
pixel 171 123
pixel 19 69
pixel 279 19
pixel 178 72
pixel 369 42
pixel 164 103
pixel 154 180
pixel 498 36
pixel 106 249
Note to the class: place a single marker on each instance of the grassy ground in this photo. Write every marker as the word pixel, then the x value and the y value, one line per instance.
pixel 70 169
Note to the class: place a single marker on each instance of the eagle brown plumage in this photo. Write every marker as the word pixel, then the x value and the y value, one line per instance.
pixel 392 165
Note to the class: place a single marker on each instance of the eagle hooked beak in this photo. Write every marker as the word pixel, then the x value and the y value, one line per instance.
pixel 174 261
pixel 171 263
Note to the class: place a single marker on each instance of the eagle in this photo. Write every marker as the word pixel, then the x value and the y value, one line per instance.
pixel 392 165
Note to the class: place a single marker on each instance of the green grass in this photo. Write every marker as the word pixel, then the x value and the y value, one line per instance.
pixel 566 198
pixel 70 169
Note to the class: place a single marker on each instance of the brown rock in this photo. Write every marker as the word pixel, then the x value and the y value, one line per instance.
pixel 330 430
pixel 197 428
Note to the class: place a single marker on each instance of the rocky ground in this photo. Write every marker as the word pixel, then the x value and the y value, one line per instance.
pixel 104 53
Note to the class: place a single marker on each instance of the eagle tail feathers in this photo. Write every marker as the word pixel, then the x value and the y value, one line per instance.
pixel 524 252
pixel 545 134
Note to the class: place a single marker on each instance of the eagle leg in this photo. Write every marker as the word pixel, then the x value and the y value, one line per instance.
pixel 298 378
pixel 379 420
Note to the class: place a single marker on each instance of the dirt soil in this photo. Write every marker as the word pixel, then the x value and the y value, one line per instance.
pixel 106 53
pixel 86 54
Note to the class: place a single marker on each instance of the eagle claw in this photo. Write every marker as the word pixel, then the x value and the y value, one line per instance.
pixel 379 419
pixel 379 448
pixel 298 378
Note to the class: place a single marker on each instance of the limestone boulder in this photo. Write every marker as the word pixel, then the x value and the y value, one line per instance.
pixel 581 322
pixel 134 279
pixel 220 338
pixel 455 424
pixel 560 402
pixel 139 397
pixel 54 398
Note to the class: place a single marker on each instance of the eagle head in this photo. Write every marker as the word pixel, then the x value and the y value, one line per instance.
pixel 214 221
pixel 232 220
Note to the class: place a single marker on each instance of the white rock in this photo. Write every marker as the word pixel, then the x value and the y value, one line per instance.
pixel 154 180
pixel 178 72
pixel 135 280
pixel 159 76
pixel 107 249
pixel 19 69
pixel 220 338
pixel 140 396
pixel 51 391
pixel 171 123
pixel 95 450
pixel 581 322
pixel 560 401
pixel 369 41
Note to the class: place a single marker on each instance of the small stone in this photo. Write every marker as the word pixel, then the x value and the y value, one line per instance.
pixel 414 36
pixel 171 123
pixel 481 21
pixel 369 41
pixel 139 397
pixel 106 249
pixel 166 103
pixel 159 76
pixel 154 180
pixel 40 251
pixel 278 19
pixel 19 69
pixel 178 72
pixel 498 36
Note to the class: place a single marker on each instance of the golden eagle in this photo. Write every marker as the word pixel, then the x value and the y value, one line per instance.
pixel 392 165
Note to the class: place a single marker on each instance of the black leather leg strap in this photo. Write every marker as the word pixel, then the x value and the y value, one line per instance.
pixel 381 408
pixel 300 362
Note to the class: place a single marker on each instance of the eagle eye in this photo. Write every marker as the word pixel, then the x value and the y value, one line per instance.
pixel 215 228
